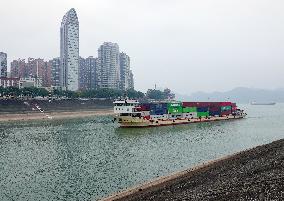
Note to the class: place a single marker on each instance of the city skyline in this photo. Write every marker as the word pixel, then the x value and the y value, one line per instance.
pixel 93 74
pixel 110 70
pixel 236 40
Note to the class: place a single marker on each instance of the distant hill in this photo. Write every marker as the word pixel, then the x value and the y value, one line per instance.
pixel 239 95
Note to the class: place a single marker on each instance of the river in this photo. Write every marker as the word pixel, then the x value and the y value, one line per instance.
pixel 89 158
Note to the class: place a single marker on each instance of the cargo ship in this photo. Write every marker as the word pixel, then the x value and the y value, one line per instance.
pixel 262 103
pixel 131 113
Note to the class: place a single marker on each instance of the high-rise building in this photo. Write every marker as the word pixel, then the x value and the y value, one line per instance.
pixel 55 72
pixel 84 76
pixel 91 64
pixel 108 66
pixel 38 69
pixel 3 64
pixel 88 73
pixel 124 71
pixel 35 68
pixel 46 76
pixel 69 51
pixel 18 69
pixel 131 80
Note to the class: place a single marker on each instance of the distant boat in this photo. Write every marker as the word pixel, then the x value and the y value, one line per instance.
pixel 262 103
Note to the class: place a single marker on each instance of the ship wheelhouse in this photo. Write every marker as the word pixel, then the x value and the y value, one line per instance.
pixel 127 107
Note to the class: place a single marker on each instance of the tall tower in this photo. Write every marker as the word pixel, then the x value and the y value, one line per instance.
pixel 69 51
pixel 108 65
pixel 124 60
pixel 3 64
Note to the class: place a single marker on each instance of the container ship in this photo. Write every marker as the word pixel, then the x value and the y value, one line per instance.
pixel 131 113
pixel 262 103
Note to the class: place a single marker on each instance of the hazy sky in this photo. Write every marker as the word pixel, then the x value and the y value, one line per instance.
pixel 186 45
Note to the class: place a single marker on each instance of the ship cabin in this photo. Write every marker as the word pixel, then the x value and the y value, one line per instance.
pixel 127 107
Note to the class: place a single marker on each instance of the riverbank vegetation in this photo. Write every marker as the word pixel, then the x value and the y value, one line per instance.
pixel 32 92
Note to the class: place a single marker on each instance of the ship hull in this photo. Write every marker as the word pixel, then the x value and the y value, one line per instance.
pixel 131 122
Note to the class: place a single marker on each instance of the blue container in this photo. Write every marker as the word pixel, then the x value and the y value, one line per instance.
pixel 155 106
pixel 202 109
pixel 213 113
pixel 158 111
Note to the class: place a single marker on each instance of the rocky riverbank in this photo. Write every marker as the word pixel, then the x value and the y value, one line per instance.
pixel 255 174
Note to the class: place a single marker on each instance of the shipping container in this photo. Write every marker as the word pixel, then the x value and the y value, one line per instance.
pixel 175 116
pixel 214 108
pixel 158 108
pixel 189 115
pixel 164 116
pixel 202 114
pixel 191 104
pixel 214 113
pixel 225 104
pixel 158 105
pixel 174 110
pixel 145 107
pixel 200 104
pixel 189 109
pixel 226 113
pixel 175 104
pixel 202 109
pixel 226 108
pixel 158 111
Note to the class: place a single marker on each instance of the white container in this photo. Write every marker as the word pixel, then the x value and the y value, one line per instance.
pixel 189 115
pixel 164 116
pixel 175 116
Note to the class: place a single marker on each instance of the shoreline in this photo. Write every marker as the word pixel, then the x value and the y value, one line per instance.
pixel 248 174
pixel 54 115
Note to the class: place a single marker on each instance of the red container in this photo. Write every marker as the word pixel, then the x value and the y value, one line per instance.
pixel 214 108
pixel 145 107
pixel 225 104
pixel 226 113
pixel 198 104
pixel 207 104
pixel 189 104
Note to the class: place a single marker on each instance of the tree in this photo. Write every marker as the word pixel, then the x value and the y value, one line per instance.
pixel 169 94
pixel 160 95
pixel 42 92
pixel 2 91
pixel 155 94
pixel 131 93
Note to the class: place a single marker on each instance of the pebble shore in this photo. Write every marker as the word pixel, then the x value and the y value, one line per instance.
pixel 255 174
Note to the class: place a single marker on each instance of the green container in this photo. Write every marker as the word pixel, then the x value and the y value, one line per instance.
pixel 226 108
pixel 176 104
pixel 202 114
pixel 189 109
pixel 175 110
